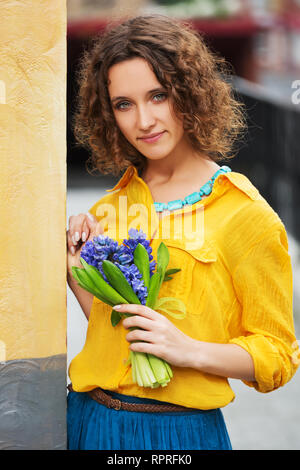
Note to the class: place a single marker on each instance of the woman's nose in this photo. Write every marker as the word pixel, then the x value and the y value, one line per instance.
pixel 145 118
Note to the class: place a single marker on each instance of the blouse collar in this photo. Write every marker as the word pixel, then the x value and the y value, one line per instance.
pixel 237 179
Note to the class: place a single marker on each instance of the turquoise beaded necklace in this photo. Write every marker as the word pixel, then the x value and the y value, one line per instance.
pixel 205 190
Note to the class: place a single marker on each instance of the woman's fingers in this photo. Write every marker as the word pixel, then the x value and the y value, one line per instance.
pixel 85 232
pixel 95 230
pixel 75 227
pixel 74 232
pixel 139 335
pixel 142 310
pixel 94 227
pixel 81 227
pixel 137 322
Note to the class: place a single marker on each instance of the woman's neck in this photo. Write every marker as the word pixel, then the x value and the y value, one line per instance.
pixel 189 170
pixel 178 186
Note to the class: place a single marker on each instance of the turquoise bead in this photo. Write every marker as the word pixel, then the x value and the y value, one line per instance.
pixel 207 188
pixel 219 172
pixel 194 197
pixel 160 206
pixel 225 168
pixel 177 204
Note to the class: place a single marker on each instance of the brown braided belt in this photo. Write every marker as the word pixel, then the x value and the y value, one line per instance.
pixel 101 397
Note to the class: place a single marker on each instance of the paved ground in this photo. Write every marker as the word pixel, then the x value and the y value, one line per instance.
pixel 254 420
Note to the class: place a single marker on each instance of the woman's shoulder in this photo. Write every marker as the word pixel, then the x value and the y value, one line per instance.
pixel 243 184
pixel 248 219
pixel 252 208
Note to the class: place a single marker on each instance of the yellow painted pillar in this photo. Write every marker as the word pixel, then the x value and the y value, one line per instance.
pixel 33 224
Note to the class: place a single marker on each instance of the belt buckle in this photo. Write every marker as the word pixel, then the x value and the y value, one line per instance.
pixel 115 404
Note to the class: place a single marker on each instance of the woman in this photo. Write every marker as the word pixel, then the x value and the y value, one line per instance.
pixel 154 101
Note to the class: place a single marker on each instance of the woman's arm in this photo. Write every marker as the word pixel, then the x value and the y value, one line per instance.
pixel 160 337
pixel 82 228
pixel 226 360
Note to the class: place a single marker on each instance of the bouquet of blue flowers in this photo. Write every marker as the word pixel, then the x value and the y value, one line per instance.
pixel 125 274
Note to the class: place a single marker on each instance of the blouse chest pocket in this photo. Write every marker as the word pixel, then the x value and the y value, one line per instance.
pixel 196 265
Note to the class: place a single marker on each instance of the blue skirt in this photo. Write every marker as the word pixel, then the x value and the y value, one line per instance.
pixel 92 426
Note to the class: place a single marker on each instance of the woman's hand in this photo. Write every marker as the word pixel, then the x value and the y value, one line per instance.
pixel 157 336
pixel 161 338
pixel 82 228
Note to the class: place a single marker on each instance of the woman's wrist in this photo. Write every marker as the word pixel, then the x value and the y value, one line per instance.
pixel 194 355
pixel 225 360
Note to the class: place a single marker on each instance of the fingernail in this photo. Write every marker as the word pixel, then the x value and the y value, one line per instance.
pixel 72 250
pixel 116 307
pixel 77 236
pixel 73 240
pixel 83 236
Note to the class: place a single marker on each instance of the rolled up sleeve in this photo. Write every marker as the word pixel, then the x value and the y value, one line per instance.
pixel 263 282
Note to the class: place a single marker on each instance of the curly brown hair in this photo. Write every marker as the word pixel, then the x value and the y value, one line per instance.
pixel 195 77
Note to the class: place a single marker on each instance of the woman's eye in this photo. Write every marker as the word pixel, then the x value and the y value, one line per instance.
pixel 122 105
pixel 160 97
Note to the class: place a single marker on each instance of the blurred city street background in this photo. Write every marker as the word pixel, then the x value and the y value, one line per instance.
pixel 261 39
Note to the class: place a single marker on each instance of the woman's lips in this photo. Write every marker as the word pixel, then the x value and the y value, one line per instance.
pixel 150 140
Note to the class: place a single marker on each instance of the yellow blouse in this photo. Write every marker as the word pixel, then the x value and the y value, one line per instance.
pixel 235 280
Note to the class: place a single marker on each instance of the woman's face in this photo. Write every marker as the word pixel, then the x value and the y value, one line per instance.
pixel 143 110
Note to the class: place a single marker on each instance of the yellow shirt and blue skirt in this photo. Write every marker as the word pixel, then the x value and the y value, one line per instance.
pixel 237 286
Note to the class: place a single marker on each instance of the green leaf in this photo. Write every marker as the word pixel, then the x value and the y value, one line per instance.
pixel 168 272
pixel 172 271
pixel 153 290
pixel 119 282
pixel 163 256
pixel 115 317
pixel 141 260
pixel 74 272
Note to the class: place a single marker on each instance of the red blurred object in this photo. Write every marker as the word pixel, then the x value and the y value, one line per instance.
pixel 236 26
pixel 289 14
pixel 230 37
